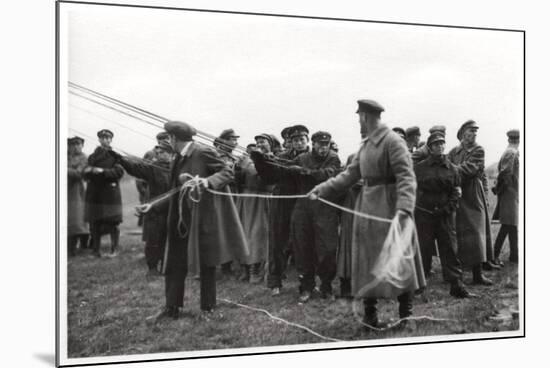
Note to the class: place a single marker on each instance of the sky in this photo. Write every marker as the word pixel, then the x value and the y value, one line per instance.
pixel 259 74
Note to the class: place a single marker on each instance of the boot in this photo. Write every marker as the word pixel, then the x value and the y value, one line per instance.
pixel 405 308
pixel 371 314
pixel 245 273
pixel 458 290
pixel 256 275
pixel 115 235
pixel 345 288
pixel 478 278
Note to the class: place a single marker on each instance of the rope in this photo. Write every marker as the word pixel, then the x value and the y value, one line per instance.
pixel 282 320
pixel 353 212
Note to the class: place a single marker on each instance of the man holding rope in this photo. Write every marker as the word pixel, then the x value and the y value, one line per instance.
pixel 203 230
pixel 389 191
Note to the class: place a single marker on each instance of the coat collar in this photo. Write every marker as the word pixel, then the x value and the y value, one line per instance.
pixel 377 136
pixel 468 150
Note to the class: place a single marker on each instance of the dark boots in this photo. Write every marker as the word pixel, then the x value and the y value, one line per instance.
pixel 458 290
pixel 478 278
pixel 115 236
pixel 256 274
pixel 371 314
pixel 345 288
pixel 245 273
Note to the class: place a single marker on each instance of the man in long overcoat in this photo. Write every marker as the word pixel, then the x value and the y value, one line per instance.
pixel 472 218
pixel 103 198
pixel 384 163
pixel 157 177
pixel 77 228
pixel 507 191
pixel 203 232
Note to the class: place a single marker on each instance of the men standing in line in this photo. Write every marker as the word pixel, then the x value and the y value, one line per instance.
pixel 412 135
pixel 506 189
pixel 281 211
pixel 157 177
pixel 389 190
pixel 472 219
pixel 437 195
pixel 77 229
pixel 200 235
pixel 103 198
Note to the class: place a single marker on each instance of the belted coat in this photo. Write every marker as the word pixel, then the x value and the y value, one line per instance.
pixel 507 187
pixel 75 194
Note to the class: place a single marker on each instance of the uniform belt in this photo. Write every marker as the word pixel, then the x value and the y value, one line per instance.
pixel 370 182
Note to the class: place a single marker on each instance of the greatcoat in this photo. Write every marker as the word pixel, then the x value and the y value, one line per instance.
pixel 384 163
pixel 103 198
pixel 472 219
pixel 207 232
pixel 507 187
pixel 75 194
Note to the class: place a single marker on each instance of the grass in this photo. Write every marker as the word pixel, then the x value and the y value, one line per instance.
pixel 110 299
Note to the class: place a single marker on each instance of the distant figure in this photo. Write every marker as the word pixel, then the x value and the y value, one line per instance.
pixel 103 198
pixel 400 131
pixel 506 189
pixel 250 147
pixel 287 143
pixel 437 197
pixel 157 176
pixel 77 228
pixel 389 191
pixel 412 136
pixel 422 152
pixel 472 218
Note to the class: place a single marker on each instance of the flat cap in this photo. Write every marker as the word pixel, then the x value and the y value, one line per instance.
pixel 275 142
pixel 321 137
pixel 285 133
pixel 228 133
pixel 514 133
pixel 411 131
pixel 438 128
pixel 368 106
pixel 104 133
pixel 162 136
pixel 436 137
pixel 265 136
pixel 298 130
pixel 399 131
pixel 165 146
pixel 466 125
pixel 180 129
pixel 75 140
pixel 250 145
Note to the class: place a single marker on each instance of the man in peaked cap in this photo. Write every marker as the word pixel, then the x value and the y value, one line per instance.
pixel 472 218
pixel 194 229
pixel 422 152
pixel 299 138
pixel 400 131
pixel 412 136
pixel 438 193
pixel 507 188
pixel 285 134
pixel 389 190
pixel 103 198
pixel 77 228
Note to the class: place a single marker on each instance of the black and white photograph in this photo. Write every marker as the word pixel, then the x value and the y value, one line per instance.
pixel 234 183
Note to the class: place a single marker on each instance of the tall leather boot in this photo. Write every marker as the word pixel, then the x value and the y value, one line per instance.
pixel 478 278
pixel 371 314
pixel 405 308
pixel 345 288
pixel 115 235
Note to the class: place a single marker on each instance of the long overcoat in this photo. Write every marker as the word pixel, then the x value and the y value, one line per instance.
pixel 508 179
pixel 472 218
pixel 157 177
pixel 103 198
pixel 76 194
pixel 209 231
pixel 384 163
pixel 254 211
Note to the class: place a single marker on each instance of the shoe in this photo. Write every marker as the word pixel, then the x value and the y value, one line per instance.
pixel 482 280
pixel 459 291
pixel 304 297
pixel 275 291
pixel 489 266
pixel 166 313
pixel 256 278
pixel 326 292
pixel 371 320
pixel 244 276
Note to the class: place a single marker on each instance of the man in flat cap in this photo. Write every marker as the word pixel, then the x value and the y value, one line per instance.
pixel 437 197
pixel 201 234
pixel 281 210
pixel 507 187
pixel 285 134
pixel 412 136
pixel 77 228
pixel 472 218
pixel 400 131
pixel 141 185
pixel 389 191
pixel 103 198
pixel 156 174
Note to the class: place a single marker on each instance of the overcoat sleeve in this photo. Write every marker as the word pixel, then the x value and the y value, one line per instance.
pixel 115 173
pixel 332 167
pixel 139 169
pixel 405 180
pixel 343 181
pixel 474 163
pixel 76 172
pixel 220 173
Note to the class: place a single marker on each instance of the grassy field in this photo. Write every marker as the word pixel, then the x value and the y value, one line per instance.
pixel 110 299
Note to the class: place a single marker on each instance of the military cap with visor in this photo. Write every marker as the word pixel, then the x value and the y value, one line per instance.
pixel 105 133
pixel 165 146
pixel 321 137
pixel 412 131
pixel 369 106
pixel 229 133
pixel 435 137
pixel 399 131
pixel 467 125
pixel 285 133
pixel 438 128
pixel 513 134
pixel 265 136
pixel 75 140
pixel 181 130
pixel 162 136
pixel 298 131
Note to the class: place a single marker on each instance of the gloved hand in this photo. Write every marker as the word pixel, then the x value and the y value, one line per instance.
pixel 143 208
pixel 314 194
pixel 115 155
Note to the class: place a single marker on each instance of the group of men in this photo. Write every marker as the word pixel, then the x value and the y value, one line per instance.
pixel 277 199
